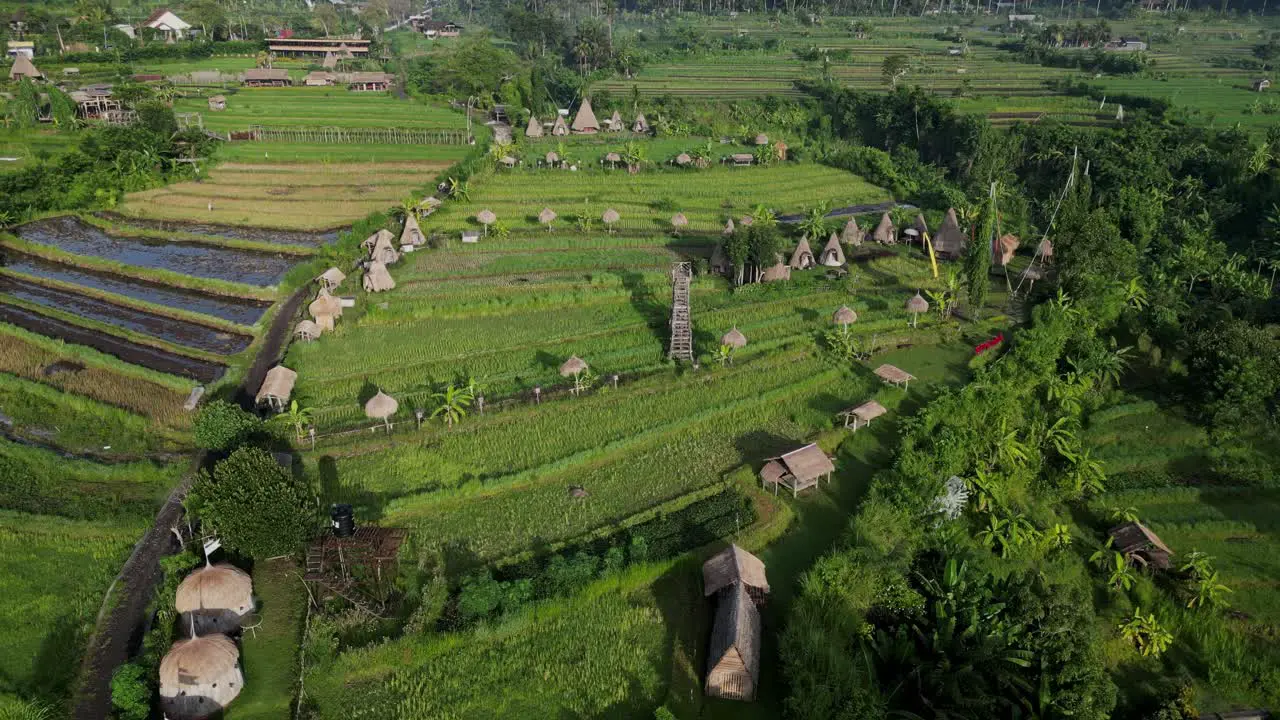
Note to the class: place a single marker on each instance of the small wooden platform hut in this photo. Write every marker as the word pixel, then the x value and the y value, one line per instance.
pixel 23 68
pixel 884 232
pixel 762 139
pixel 894 375
pixel 844 317
pixel 324 310
pixel 377 279
pixel 534 128
pixel 802 258
pixel 1140 546
pixel 735 566
pixel 276 388
pixel 559 128
pixel 330 279
pixel 199 677
pixel 214 599
pixel 218 103
pixel 307 330
pixel 412 234
pixel 733 660
pixel 734 339
pixel 798 470
pixel 833 254
pixel 266 77
pixel 950 241
pixel 864 413
pixel 585 123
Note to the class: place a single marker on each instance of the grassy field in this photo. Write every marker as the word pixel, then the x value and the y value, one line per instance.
pixel 270 652
pixel 321 107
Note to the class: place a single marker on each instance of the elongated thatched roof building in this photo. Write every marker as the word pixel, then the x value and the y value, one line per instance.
pixel 276 388
pixel 733 660
pixel 199 677
pixel 733 566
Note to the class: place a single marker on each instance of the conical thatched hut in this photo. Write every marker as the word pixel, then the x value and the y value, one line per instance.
pixel 573 367
pixel 534 128
pixel 199 677
pixel 833 254
pixel 381 407
pixel 380 236
pixel 802 258
pixel 276 388
pixel 331 278
pixel 950 240
pixel 728 227
pixel 734 339
pixel 412 234
pixel 559 128
pixel 884 232
pixel 920 225
pixel 383 251
pixel 615 123
pixel 641 125
pixel 1008 245
pixel 852 234
pixel 377 278
pixel 779 271
pixel 330 61
pixel 845 316
pixel 307 330
pixel 917 305
pixel 214 599
pixel 679 221
pixel 546 217
pixel 762 139
pixel 585 123
pixel 24 68
pixel 684 159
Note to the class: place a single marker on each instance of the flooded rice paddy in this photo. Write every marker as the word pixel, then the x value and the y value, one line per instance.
pixel 233 232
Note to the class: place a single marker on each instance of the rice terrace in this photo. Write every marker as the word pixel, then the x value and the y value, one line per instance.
pixel 841 359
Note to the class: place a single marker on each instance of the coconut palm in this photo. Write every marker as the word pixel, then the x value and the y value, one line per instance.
pixel 633 154
pixel 452 403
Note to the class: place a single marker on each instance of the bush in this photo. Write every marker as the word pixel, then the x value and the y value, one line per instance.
pixel 222 426
pixel 257 507
pixel 131 692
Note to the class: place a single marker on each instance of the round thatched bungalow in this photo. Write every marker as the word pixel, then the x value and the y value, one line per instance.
pixel 199 677
pixel 917 305
pixel 381 407
pixel 214 599
pixel 845 316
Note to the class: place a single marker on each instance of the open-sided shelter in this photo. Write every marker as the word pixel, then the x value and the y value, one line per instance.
pixel 319 78
pixel 214 599
pixel 864 413
pixel 894 375
pixel 798 470
pixel 218 103
pixel 266 77
pixel 733 659
pixel 276 388
pixel 1140 546
pixel 330 279
pixel 199 677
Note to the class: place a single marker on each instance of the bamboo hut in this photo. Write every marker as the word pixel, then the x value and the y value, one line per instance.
pixel 1008 245
pixel 374 239
pixel 214 599
pixel 950 241
pixel 534 128
pixel 199 677
pixel 330 279
pixel 916 305
pixel 802 258
pixel 762 139
pixel 735 566
pixel 559 128
pixel 324 310
pixel 679 221
pixel 429 204
pixel 585 123
pixel 381 407
pixel 377 279
pixel 734 339
pixel 612 158
pixel 832 254
pixel 852 235
pixel 383 251
pixel 307 331
pixel 894 375
pixel 844 317
pixel 486 218
pixel 276 388
pixel 733 660
pixel 864 413
pixel 412 234
pixel 798 470
pixel 641 125
pixel 546 217
pixel 1140 546
pixel 884 232
pixel 23 68
pixel 615 123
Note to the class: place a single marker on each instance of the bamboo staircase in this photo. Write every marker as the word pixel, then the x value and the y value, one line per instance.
pixel 681 332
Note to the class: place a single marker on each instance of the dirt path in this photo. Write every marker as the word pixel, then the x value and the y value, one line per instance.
pixel 123 616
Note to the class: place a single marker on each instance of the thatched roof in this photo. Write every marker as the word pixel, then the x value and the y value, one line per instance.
pixel 486 217
pixel 266 74
pixel 884 231
pixel 1045 248
pixel 1008 246
pixel 950 239
pixel 641 125
pixel 615 123
pixel 507 161
pixel 852 234
pixel 683 159
pixel 733 659
pixel 612 157
pixel 720 260
pixel 892 374
pixel 200 675
pixel 412 234
pixel 534 128
pixel 365 78
pixel 679 220
pixel 844 316
pixel 1032 273
pixel 369 242
pixel 728 227
pixel 381 406
pixel 307 330
pixel 806 463
pixel 833 254
pixel 331 278
pixel 917 303
pixel 325 304
pixel 746 220
pixel 802 258
pixel 383 251
pixel 867 411
pixel 431 202
pixel 585 121
pixel 610 216
pixel 317 78
pixel 920 225
pixel 733 566
pixel 547 216
pixel 23 68
pixel 573 366
pixel 377 278
pixel 552 157
pixel 559 127
pixel 1133 537
pixel 762 139
pixel 215 587
pixel 780 271
pixel 330 61
pixel 734 338
pixel 277 385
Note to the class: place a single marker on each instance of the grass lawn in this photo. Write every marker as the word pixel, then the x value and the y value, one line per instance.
pixel 269 653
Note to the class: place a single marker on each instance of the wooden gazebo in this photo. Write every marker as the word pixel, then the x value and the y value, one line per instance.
pixel 894 375
pixel 798 470
pixel 864 413
pixel 1140 546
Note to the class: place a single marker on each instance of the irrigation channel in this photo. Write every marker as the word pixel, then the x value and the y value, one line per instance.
pixel 236 310
pixel 178 332
pixel 71 234
pixel 233 232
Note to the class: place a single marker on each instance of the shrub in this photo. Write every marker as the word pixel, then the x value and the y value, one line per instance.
pixel 222 426
pixel 258 507
pixel 131 692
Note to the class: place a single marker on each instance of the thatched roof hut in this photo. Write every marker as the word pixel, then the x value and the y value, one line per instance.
pixel 307 330
pixel 1045 249
pixel 218 103
pixel 1140 546
pixel 573 366
pixel 684 159
pixel 728 227
pixel 552 158
pixel 802 258
pixel 779 271
pixel 641 125
pixel 679 220
pixel 214 598
pixel 369 242
pixel 585 121
pixel 894 375
pixel 559 128
pixel 610 217
pixel 486 217
pixel 331 278
pixel 325 305
pixel 612 158
pixel 412 234
pixel 734 566
pixel 1008 244
pixel 276 388
pixel 762 139
pixel 381 407
pixel 844 316
pixel 383 251
pixel 720 261
pixel 950 241
pixel 319 78
pixel 534 128
pixel 430 203
pixel 24 68
pixel 864 413
pixel 377 279
pixel 832 254
pixel 917 303
pixel 733 660
pixel 734 338
pixel 199 677
pixel 884 232
pixel 852 234
pixel 330 61
pixel 746 220
pixel 798 470
pixel 547 216
pixel 615 123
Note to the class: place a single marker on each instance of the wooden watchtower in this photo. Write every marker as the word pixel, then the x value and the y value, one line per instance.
pixel 681 333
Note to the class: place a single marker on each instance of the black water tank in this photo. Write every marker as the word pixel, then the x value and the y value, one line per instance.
pixel 344 521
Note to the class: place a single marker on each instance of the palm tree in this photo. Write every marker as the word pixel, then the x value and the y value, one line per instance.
pixel 298 417
pixel 633 154
pixel 1008 450
pixel 814 223
pixel 1085 474
pixel 1125 514
pixel 763 216
pixel 724 355
pixel 452 404
pixel 407 208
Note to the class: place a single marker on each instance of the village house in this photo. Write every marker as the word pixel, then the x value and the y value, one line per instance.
pixel 166 23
